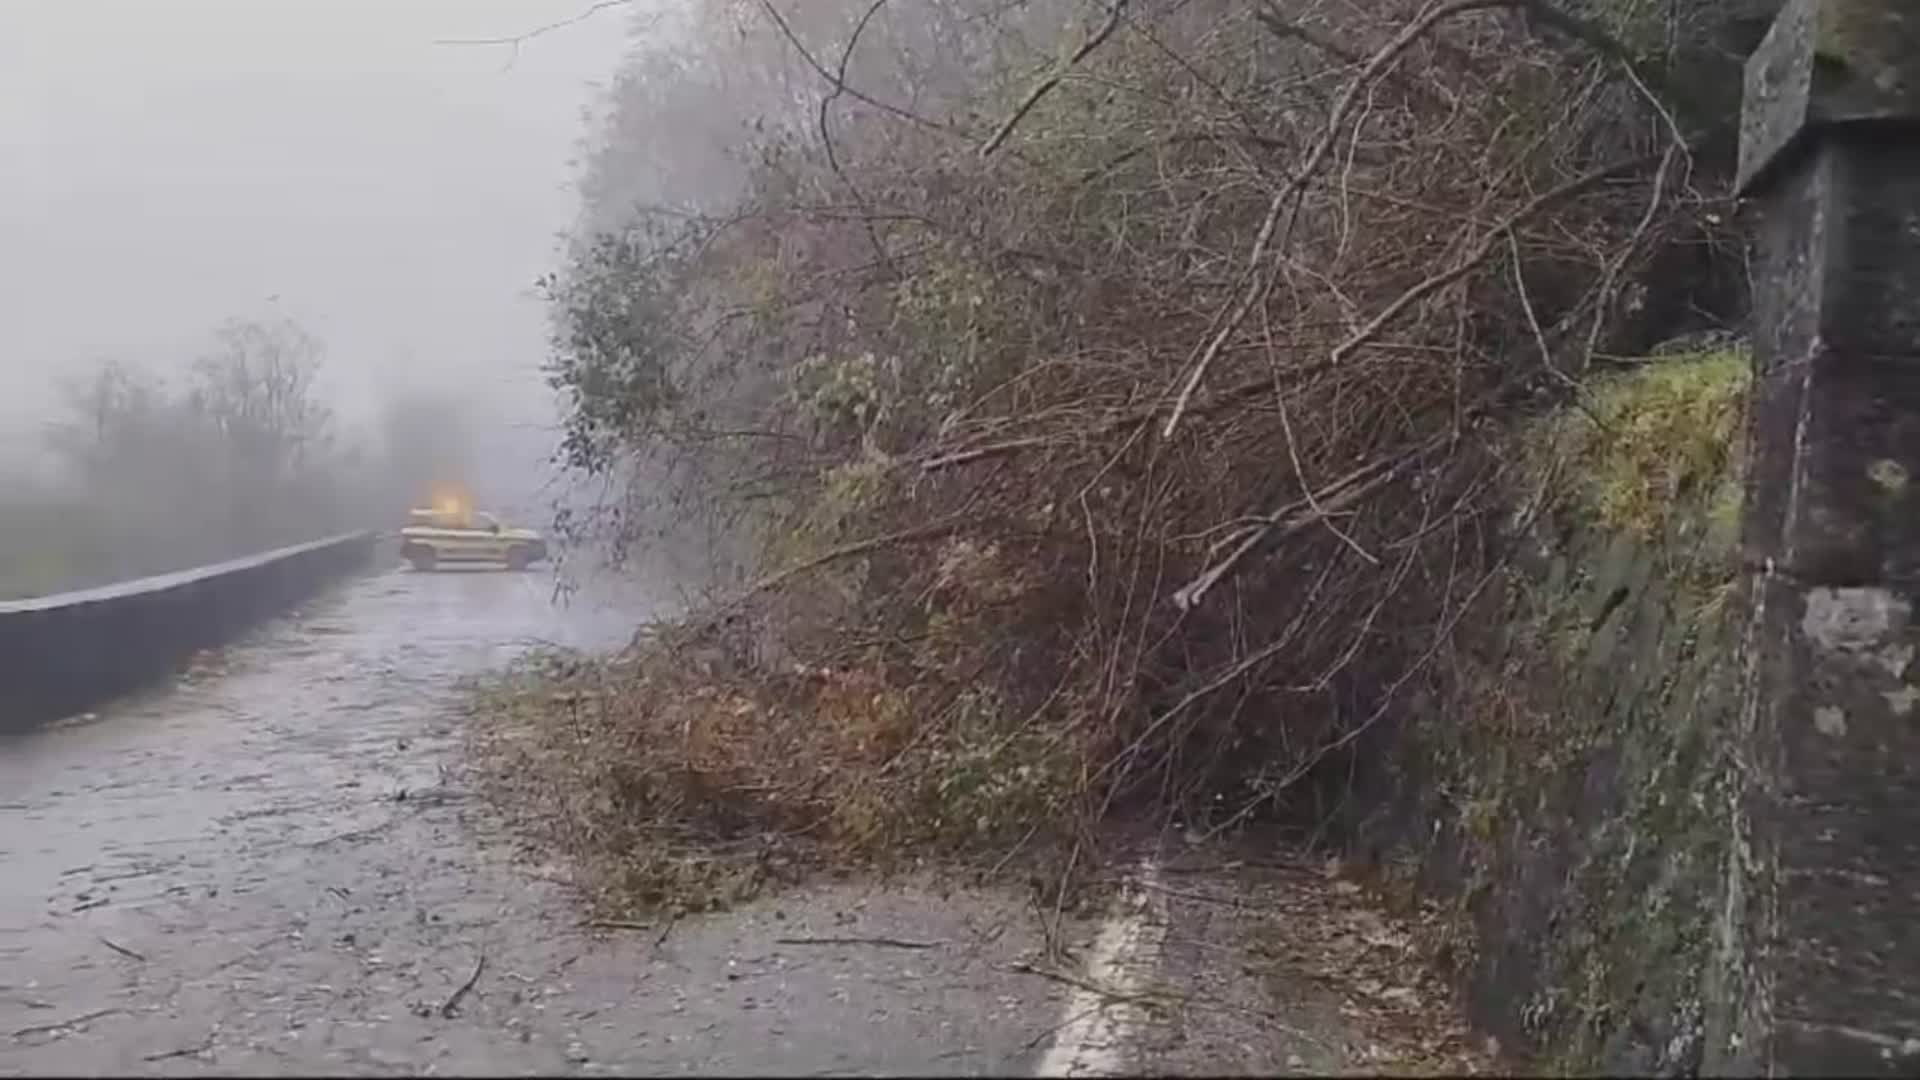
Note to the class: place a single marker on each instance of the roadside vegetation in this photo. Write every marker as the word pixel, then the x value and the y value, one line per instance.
pixel 1092 411
pixel 236 454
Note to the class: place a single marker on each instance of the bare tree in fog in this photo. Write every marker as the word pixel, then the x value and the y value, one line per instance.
pixel 253 395
pixel 237 455
pixel 256 391
pixel 114 416
pixel 129 457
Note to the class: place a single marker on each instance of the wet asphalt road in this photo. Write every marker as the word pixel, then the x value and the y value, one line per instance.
pixel 274 867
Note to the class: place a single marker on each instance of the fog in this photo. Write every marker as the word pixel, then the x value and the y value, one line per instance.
pixel 169 164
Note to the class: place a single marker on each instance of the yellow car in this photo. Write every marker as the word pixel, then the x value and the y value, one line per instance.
pixel 457 534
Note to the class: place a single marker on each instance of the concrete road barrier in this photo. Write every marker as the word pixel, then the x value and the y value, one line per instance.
pixel 64 654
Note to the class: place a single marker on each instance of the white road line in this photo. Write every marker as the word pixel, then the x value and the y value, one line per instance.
pixel 1093 1039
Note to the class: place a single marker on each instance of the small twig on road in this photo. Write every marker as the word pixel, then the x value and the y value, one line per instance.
pixel 1052 1030
pixel 877 942
pixel 666 928
pixel 354 834
pixel 618 924
pixel 1184 894
pixel 1110 996
pixel 47 1029
pixel 1237 865
pixel 1163 998
pixel 185 1051
pixel 436 796
pixel 452 1003
pixel 123 950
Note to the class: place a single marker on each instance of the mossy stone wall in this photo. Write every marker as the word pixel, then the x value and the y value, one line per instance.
pixel 1564 794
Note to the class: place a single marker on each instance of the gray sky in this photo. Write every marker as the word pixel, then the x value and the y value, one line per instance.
pixel 166 164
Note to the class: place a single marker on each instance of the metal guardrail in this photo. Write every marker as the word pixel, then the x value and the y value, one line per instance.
pixel 66 653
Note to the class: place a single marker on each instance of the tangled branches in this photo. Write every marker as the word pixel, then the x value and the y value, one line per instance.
pixel 1159 415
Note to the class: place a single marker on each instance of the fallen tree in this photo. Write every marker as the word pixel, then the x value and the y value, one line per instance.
pixel 1106 403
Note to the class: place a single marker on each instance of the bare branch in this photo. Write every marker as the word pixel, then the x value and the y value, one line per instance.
pixel 1045 86
pixel 826 137
pixel 1258 282
pixel 514 41
pixel 522 38
pixel 1577 186
pixel 839 82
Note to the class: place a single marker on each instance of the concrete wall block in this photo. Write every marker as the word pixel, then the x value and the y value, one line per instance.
pixel 1827 64
pixel 1855 482
pixel 1831 158
pixel 1872 182
pixel 1848 835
